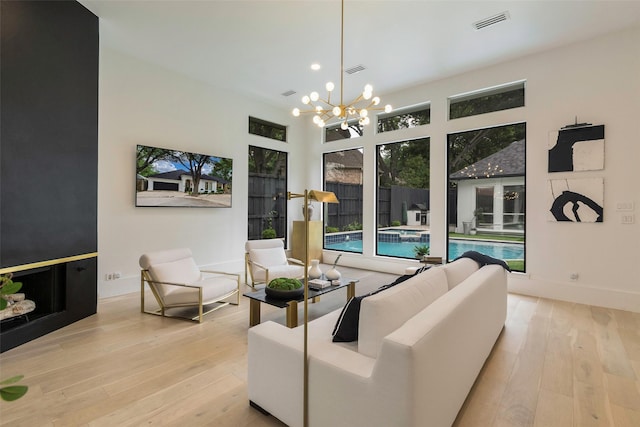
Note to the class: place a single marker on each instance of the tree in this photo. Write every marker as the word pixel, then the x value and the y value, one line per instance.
pixel 146 157
pixel 194 164
pixel 223 168
pixel 265 161
pixel 466 148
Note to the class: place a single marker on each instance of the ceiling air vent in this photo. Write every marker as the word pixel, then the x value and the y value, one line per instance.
pixel 355 69
pixel 484 23
pixel 288 93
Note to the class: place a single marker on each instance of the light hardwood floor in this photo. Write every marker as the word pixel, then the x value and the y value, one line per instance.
pixel 555 364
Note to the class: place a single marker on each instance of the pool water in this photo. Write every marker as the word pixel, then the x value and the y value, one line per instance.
pixel 456 248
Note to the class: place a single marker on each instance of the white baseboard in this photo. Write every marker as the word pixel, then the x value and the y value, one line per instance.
pixel 571 292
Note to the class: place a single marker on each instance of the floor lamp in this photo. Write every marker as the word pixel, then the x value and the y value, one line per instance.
pixel 309 196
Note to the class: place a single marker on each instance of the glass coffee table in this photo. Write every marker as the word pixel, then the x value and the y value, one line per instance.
pixel 259 297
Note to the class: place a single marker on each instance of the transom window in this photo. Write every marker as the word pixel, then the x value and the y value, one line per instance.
pixel 405 118
pixel 487 100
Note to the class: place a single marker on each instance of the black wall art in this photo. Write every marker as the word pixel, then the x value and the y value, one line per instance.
pixel 577 148
pixel 576 200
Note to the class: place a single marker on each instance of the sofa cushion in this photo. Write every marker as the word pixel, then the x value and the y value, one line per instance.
pixel 459 270
pixel 346 329
pixel 384 312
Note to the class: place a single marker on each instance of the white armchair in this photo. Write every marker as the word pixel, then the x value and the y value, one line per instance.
pixel 176 282
pixel 267 260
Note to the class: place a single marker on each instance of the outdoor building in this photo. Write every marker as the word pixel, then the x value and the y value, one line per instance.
pixel 491 192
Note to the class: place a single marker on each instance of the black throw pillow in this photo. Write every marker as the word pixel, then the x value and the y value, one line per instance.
pixel 483 259
pixel 346 329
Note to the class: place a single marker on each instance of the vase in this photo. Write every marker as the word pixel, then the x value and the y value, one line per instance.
pixel 308 210
pixel 332 274
pixel 314 270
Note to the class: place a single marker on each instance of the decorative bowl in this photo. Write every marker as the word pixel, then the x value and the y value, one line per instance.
pixel 284 294
pixel 288 294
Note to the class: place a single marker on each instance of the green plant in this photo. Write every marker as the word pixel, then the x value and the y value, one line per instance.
pixel 7 287
pixel 285 284
pixel 268 233
pixel 329 229
pixel 395 223
pixel 421 250
pixel 10 393
pixel 354 226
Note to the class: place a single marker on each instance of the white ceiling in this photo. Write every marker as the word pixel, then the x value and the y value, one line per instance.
pixel 264 48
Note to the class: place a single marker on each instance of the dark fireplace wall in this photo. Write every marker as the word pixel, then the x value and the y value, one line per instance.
pixel 49 135
pixel 49 160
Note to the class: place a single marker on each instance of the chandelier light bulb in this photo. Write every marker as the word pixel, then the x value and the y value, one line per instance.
pixel 339 113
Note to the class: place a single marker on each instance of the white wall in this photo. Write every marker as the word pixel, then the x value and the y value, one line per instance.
pixel 144 104
pixel 598 81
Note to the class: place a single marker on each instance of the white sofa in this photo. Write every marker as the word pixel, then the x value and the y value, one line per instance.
pixel 421 345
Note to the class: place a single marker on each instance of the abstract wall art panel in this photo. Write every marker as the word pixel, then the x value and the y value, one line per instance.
pixel 576 149
pixel 576 200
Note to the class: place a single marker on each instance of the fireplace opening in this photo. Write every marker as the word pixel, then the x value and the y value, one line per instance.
pixel 45 286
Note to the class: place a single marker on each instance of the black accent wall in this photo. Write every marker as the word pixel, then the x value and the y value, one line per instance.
pixel 49 131
pixel 48 161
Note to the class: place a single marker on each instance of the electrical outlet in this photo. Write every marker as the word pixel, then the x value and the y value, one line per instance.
pixel 627 219
pixel 117 275
pixel 624 206
pixel 574 276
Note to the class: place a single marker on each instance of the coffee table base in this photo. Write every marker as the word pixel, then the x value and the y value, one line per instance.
pixel 292 308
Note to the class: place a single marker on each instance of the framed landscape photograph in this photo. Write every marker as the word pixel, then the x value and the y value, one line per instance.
pixel 178 178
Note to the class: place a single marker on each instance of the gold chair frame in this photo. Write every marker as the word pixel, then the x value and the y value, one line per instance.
pixel 145 277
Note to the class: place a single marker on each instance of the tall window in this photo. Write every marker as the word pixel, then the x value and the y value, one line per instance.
pixel 487 176
pixel 403 198
pixel 267 194
pixel 343 221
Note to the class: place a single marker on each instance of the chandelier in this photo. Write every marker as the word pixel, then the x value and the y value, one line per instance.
pixel 325 111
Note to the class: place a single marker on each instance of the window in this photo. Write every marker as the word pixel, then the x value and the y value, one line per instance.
pixel 405 118
pixel 403 197
pixel 486 101
pixel 267 129
pixel 267 193
pixel 514 207
pixel 484 207
pixel 335 132
pixel 343 221
pixel 486 197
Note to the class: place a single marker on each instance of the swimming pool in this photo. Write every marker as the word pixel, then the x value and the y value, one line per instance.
pixel 456 248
